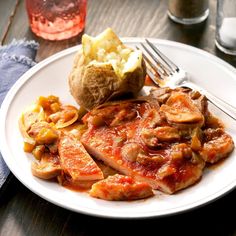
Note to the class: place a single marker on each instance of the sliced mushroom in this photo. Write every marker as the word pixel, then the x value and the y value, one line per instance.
pixel 167 133
pixel 152 137
pixel 161 94
pixel 155 161
pixel 48 167
pixel 179 109
pixel 149 137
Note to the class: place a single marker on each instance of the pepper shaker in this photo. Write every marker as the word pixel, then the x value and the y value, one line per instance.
pixel 188 12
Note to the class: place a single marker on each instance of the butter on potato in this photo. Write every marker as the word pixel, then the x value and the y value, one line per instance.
pixel 105 68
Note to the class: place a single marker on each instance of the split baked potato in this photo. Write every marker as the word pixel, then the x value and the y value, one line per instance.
pixel 104 68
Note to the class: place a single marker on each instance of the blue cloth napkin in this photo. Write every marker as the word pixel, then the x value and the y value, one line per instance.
pixel 15 59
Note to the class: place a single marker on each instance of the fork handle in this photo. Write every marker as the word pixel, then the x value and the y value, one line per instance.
pixel 219 103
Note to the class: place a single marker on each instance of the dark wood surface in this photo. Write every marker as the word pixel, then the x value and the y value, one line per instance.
pixel 24 213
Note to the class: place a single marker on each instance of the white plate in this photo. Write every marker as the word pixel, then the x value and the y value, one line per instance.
pixel 50 77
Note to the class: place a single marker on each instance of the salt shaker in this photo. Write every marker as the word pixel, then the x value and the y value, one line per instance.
pixel 226 26
pixel 188 12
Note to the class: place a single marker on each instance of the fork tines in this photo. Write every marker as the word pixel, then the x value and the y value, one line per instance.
pixel 158 65
pixel 165 59
pixel 154 69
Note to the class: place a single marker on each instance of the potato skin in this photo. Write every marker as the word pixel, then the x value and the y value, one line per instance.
pixel 91 85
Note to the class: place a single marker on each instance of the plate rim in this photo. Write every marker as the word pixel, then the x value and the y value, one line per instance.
pixel 27 76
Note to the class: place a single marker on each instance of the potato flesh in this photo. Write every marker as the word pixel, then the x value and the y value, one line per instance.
pixel 107 48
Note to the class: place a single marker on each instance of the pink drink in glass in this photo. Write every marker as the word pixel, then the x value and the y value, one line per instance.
pixel 56 19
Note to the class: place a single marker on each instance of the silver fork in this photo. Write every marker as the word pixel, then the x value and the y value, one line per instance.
pixel 173 76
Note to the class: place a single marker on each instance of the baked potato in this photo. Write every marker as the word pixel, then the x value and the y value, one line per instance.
pixel 104 68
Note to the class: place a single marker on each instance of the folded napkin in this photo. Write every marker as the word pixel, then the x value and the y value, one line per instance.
pixel 15 59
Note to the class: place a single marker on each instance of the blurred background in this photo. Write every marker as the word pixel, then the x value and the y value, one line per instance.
pixel 128 18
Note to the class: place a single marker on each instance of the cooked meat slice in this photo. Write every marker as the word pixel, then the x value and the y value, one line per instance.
pixel 134 158
pixel 190 174
pixel 217 145
pixel 47 168
pixel 75 161
pixel 120 188
pixel 183 169
pixel 180 109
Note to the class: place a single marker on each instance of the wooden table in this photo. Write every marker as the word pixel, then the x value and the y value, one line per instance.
pixel 24 213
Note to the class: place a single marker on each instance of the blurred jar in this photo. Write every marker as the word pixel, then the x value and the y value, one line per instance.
pixel 188 11
pixel 56 19
pixel 226 26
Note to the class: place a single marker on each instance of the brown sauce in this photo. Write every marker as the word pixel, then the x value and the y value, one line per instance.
pixel 215 165
pixel 76 188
